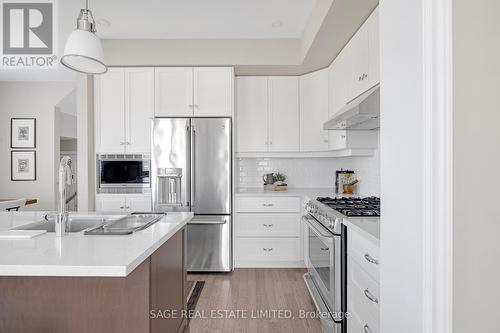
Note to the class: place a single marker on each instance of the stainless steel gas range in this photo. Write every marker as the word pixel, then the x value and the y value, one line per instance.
pixel 326 235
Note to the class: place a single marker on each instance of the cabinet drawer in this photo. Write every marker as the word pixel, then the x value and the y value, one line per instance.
pixel 267 249
pixel 365 253
pixel 268 204
pixel 357 325
pixel 268 225
pixel 363 295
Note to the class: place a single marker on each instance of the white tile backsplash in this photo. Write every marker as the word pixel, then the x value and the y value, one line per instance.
pixel 311 172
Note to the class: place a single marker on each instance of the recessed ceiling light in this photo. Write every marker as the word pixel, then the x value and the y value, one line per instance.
pixel 103 23
pixel 277 24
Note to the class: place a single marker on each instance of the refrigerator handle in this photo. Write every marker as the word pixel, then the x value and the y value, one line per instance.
pixel 193 166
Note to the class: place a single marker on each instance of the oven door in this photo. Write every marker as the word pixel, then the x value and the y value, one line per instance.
pixel 123 173
pixel 324 264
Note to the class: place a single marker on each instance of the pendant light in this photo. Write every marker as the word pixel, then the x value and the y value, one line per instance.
pixel 83 52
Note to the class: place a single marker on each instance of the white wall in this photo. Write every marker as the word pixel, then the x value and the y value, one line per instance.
pixel 401 146
pixel 65 127
pixel 85 146
pixel 68 104
pixel 476 158
pixel 66 123
pixel 31 100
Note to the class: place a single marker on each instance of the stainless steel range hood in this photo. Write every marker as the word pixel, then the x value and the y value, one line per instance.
pixel 362 113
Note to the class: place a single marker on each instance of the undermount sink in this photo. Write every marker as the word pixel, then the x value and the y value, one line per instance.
pixel 127 225
pixel 75 223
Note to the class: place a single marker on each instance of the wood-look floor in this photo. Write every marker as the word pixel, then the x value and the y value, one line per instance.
pixel 247 291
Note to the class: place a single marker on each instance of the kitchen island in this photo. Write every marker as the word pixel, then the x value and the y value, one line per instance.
pixel 83 283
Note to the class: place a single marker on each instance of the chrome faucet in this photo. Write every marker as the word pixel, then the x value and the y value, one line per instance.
pixel 65 178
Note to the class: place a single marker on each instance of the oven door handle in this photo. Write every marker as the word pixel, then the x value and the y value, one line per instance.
pixel 311 224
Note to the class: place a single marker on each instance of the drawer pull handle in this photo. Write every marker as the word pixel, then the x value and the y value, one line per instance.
pixel 369 295
pixel 324 248
pixel 367 329
pixel 267 205
pixel 268 225
pixel 370 259
pixel 267 249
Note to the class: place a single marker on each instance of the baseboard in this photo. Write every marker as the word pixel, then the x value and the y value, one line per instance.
pixel 272 264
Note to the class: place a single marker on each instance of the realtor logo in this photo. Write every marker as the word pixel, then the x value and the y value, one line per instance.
pixel 28 34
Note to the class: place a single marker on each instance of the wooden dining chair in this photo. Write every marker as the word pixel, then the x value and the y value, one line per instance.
pixel 12 205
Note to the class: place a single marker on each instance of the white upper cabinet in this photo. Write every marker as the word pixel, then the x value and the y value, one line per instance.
pixel 267 114
pixel 124 108
pixel 374 37
pixel 194 92
pixel 313 111
pixel 109 111
pixel 356 69
pixel 139 109
pixel 174 92
pixel 251 114
pixel 283 114
pixel 213 91
pixel 338 90
pixel 359 67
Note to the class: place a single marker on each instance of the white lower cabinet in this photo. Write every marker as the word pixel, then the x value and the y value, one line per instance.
pixel 268 225
pixel 126 203
pixel 267 232
pixel 139 203
pixel 268 204
pixel 110 203
pixel 268 251
pixel 363 288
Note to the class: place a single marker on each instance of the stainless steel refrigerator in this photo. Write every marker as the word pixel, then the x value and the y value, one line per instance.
pixel 191 171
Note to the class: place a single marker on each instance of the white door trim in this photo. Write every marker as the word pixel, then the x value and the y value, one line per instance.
pixel 438 167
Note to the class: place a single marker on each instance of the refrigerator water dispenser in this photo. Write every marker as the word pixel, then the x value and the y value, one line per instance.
pixel 169 186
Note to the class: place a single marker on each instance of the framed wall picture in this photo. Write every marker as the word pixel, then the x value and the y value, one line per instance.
pixel 23 133
pixel 23 165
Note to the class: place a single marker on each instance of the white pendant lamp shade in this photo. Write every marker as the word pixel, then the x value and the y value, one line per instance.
pixel 83 53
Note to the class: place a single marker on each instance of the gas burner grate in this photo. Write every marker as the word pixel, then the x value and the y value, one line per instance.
pixel 353 206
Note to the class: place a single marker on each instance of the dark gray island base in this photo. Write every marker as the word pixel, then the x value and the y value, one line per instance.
pixel 100 304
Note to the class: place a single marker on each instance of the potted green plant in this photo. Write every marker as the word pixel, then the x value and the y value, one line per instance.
pixel 279 182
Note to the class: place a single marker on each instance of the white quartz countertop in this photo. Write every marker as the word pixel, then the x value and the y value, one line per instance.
pixel 370 227
pixel 78 254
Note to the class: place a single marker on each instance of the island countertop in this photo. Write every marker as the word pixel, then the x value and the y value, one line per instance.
pixel 78 254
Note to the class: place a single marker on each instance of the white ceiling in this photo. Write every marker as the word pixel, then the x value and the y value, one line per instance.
pixel 201 19
pixel 163 31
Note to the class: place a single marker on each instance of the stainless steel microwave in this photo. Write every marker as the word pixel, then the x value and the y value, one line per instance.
pixel 123 173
